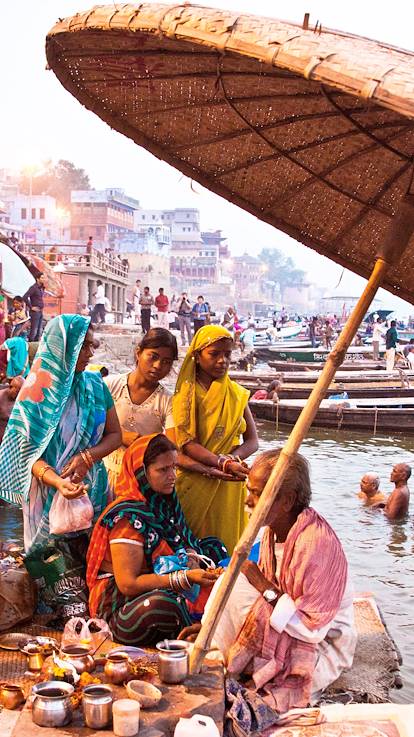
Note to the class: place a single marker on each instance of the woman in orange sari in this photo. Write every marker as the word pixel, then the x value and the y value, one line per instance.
pixel 144 523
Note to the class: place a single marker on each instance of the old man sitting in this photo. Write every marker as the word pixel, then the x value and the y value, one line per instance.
pixel 289 621
pixel 369 490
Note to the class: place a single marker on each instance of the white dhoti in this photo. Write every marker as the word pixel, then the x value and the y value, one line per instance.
pixel 390 355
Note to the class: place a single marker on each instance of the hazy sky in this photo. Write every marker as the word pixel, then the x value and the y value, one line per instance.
pixel 41 120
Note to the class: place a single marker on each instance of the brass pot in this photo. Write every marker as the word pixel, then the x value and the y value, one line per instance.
pixel 79 656
pixel 35 657
pixel 117 668
pixel 11 695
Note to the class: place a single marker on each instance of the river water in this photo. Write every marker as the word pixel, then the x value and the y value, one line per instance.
pixel 380 553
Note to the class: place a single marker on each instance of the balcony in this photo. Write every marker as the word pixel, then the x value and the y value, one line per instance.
pixel 81 260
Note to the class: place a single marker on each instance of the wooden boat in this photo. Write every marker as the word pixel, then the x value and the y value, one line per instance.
pixel 377 378
pixel 354 392
pixel 369 415
pixel 363 365
pixel 317 355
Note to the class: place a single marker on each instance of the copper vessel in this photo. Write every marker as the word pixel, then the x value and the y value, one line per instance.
pixel 117 668
pixel 79 656
pixel 11 695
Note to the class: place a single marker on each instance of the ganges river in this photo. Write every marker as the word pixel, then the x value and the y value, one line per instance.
pixel 380 553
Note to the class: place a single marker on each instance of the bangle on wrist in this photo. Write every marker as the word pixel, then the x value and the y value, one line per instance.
pixel 225 464
pixel 43 471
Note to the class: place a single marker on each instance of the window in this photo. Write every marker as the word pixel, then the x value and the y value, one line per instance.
pixel 48 234
pixel 81 231
pixel 153 217
pixel 33 213
pixel 188 215
pixel 23 213
pixel 42 213
pixel 143 217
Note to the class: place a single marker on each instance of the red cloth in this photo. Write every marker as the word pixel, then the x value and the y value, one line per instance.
pixel 314 574
pixel 161 303
pixel 260 394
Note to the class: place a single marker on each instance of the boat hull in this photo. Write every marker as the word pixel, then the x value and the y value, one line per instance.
pixel 371 420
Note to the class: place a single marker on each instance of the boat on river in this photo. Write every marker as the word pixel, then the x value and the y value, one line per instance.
pixel 315 355
pixel 374 415
pixel 360 365
pixel 364 377
pixel 354 392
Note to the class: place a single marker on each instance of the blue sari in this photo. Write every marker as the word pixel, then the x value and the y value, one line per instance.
pixel 58 413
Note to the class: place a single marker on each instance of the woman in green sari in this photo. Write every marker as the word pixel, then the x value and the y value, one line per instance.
pixel 62 425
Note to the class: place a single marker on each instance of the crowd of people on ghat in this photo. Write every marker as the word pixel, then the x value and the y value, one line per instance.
pixel 169 486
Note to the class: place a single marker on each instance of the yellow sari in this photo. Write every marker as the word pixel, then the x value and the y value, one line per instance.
pixel 213 418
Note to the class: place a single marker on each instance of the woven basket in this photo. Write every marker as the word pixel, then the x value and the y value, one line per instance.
pixel 310 131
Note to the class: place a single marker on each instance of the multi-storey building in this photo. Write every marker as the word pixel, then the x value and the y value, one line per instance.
pixel 38 217
pixel 107 215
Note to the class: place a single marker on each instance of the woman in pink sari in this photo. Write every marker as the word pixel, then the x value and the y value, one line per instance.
pixel 3 354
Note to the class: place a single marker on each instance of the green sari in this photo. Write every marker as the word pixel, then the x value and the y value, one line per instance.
pixel 58 413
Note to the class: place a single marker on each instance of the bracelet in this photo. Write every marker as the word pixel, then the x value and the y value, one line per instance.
pixel 220 460
pixel 228 460
pixel 43 471
pixel 87 458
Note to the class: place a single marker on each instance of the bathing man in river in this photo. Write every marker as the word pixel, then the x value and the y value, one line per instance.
pixel 399 499
pixel 369 490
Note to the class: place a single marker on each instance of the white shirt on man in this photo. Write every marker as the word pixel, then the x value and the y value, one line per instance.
pixel 100 295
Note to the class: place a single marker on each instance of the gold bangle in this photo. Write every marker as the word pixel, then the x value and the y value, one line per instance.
pixel 229 460
pixel 89 455
pixel 87 458
pixel 43 471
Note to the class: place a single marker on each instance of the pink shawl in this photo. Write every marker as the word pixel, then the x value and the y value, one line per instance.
pixel 314 574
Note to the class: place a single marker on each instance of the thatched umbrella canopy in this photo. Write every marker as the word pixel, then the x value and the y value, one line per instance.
pixel 311 132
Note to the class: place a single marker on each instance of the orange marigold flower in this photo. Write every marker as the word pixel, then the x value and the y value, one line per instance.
pixel 36 382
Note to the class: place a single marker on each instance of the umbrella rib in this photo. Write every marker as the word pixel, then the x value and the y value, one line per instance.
pixel 358 218
pixel 302 147
pixel 269 126
pixel 360 127
pixel 299 187
pixel 313 174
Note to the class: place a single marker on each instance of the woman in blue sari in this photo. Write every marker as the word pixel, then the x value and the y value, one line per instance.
pixel 62 425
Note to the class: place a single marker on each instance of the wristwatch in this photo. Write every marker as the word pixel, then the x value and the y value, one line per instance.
pixel 271 596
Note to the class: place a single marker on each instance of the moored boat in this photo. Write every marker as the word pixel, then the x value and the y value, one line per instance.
pixel 319 355
pixel 361 365
pixel 369 415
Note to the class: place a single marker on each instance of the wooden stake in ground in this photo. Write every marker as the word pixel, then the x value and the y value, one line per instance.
pixel 400 232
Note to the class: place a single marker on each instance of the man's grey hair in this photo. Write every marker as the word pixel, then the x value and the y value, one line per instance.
pixel 373 478
pixel 297 477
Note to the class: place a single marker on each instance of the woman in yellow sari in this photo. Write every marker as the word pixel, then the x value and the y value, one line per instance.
pixel 215 432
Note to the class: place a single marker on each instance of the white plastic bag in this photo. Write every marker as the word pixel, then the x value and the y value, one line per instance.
pixel 70 515
pixel 197 726
pixel 92 632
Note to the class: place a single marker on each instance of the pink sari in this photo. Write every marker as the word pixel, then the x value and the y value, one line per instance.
pixel 3 354
pixel 314 574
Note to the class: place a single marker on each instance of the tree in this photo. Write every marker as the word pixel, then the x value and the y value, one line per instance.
pixel 56 180
pixel 280 268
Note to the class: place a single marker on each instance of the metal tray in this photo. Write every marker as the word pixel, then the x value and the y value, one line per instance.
pixel 14 640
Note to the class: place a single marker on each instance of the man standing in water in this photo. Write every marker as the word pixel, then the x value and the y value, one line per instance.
pixel 370 493
pixel 7 400
pixel 399 499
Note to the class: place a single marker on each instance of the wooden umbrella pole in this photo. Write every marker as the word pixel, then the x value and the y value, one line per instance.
pixel 274 482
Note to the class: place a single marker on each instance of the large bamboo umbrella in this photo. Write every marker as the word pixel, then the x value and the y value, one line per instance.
pixel 310 130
